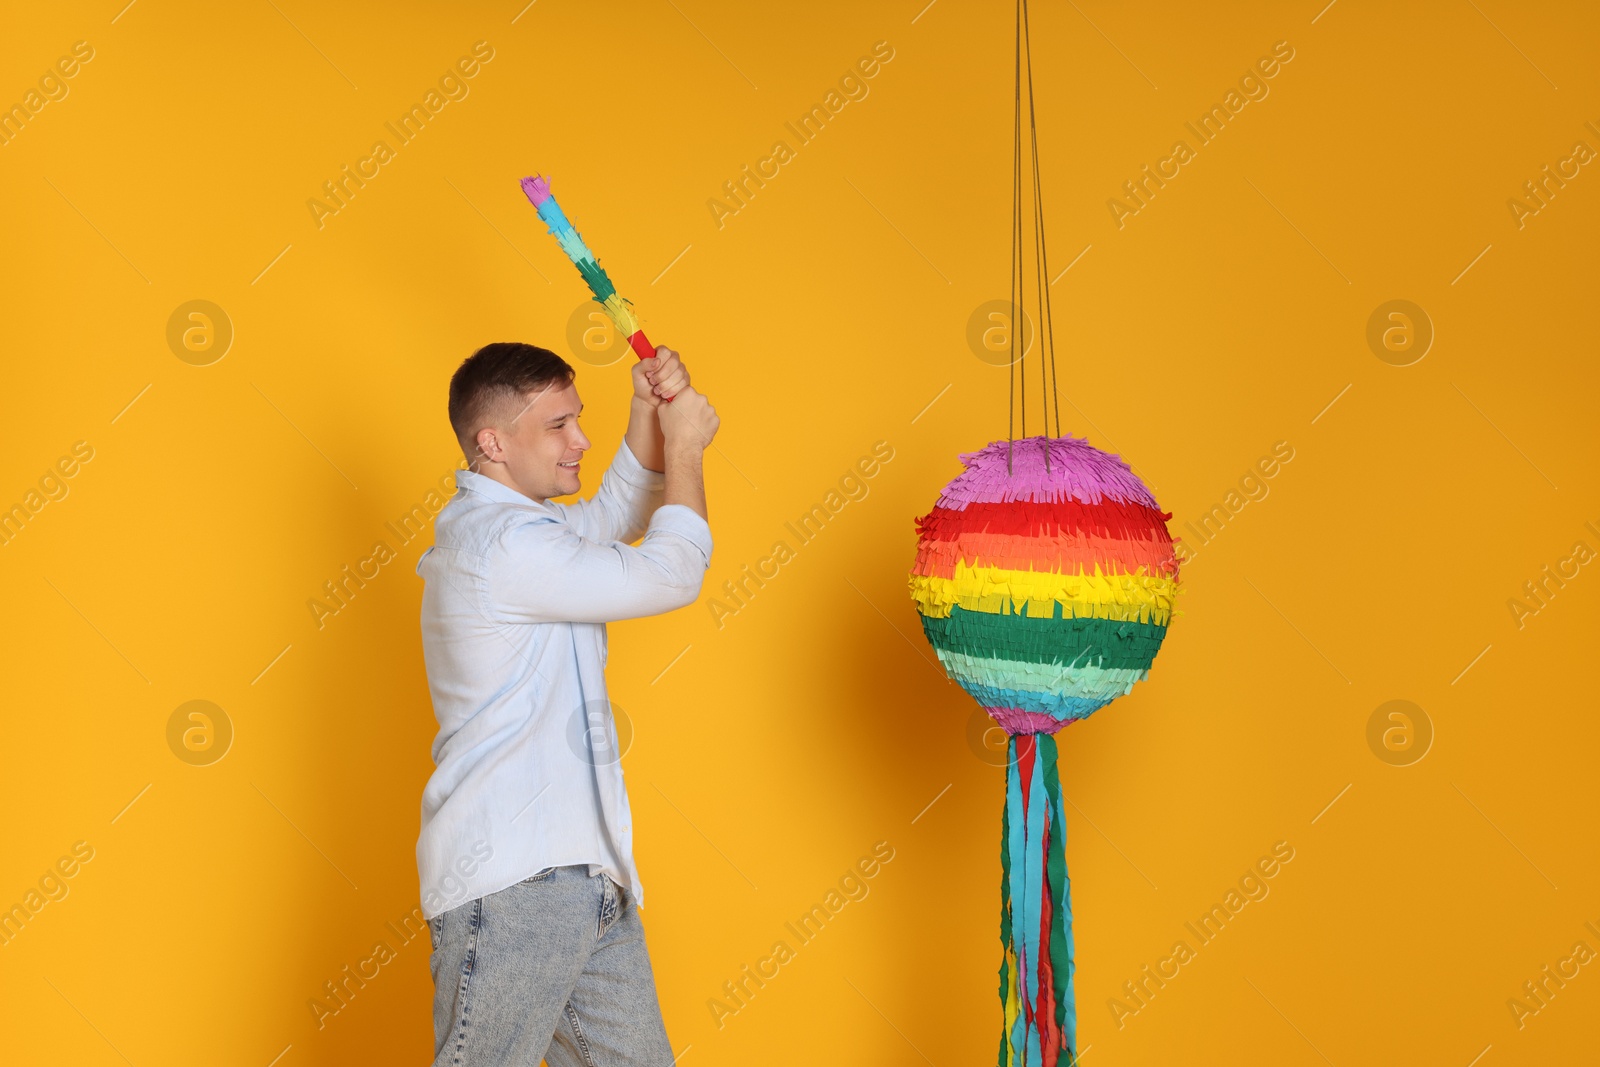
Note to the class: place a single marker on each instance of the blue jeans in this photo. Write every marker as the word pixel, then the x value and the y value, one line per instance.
pixel 553 968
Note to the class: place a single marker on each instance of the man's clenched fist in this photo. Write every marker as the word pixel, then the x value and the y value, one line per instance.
pixel 661 377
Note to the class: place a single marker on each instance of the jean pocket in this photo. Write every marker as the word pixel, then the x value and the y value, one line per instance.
pixel 436 931
pixel 538 876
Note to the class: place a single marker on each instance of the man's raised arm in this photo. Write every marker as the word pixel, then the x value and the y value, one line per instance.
pixel 541 570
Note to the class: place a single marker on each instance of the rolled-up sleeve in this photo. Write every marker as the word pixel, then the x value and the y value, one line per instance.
pixel 620 509
pixel 541 569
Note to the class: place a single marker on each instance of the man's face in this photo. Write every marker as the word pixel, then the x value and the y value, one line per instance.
pixel 540 447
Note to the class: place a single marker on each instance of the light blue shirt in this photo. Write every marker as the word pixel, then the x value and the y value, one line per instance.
pixel 515 603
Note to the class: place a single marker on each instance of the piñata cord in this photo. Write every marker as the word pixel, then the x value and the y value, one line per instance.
pixel 1049 384
pixel 1040 1027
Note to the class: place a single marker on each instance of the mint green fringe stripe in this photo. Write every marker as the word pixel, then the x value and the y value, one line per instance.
pixel 1089 683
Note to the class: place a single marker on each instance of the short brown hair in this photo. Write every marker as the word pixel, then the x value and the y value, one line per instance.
pixel 494 377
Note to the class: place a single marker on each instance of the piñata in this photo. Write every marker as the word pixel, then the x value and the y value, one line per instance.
pixel 1045 578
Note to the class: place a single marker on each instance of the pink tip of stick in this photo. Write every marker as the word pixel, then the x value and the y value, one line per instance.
pixel 537 189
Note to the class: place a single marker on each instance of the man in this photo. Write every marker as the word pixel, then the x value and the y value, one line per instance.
pixel 525 853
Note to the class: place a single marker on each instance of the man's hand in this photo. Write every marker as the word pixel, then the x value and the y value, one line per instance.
pixel 662 376
pixel 689 424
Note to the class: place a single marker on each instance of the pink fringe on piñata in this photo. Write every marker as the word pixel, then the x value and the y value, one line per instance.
pixel 1078 471
pixel 1022 721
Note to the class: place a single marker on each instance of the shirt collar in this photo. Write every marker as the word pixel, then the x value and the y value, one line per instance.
pixel 486 486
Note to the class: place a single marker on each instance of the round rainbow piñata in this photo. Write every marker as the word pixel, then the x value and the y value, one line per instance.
pixel 1045 591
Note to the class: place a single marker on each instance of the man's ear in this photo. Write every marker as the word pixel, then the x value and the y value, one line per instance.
pixel 489 447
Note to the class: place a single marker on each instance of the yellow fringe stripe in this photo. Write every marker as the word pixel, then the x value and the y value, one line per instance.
pixel 998 591
pixel 621 315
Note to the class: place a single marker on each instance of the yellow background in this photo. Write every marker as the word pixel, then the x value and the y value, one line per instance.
pixel 826 315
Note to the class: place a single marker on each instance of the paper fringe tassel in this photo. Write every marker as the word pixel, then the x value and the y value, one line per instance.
pixel 1040 1027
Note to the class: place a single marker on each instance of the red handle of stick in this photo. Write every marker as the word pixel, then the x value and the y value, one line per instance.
pixel 644 350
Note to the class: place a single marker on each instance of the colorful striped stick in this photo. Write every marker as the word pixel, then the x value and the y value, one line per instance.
pixel 617 309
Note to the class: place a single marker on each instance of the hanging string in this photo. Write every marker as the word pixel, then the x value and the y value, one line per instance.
pixel 1015 310
pixel 1050 387
pixel 1038 279
pixel 1017 387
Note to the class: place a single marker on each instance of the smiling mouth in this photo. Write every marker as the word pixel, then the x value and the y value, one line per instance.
pixel 570 466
